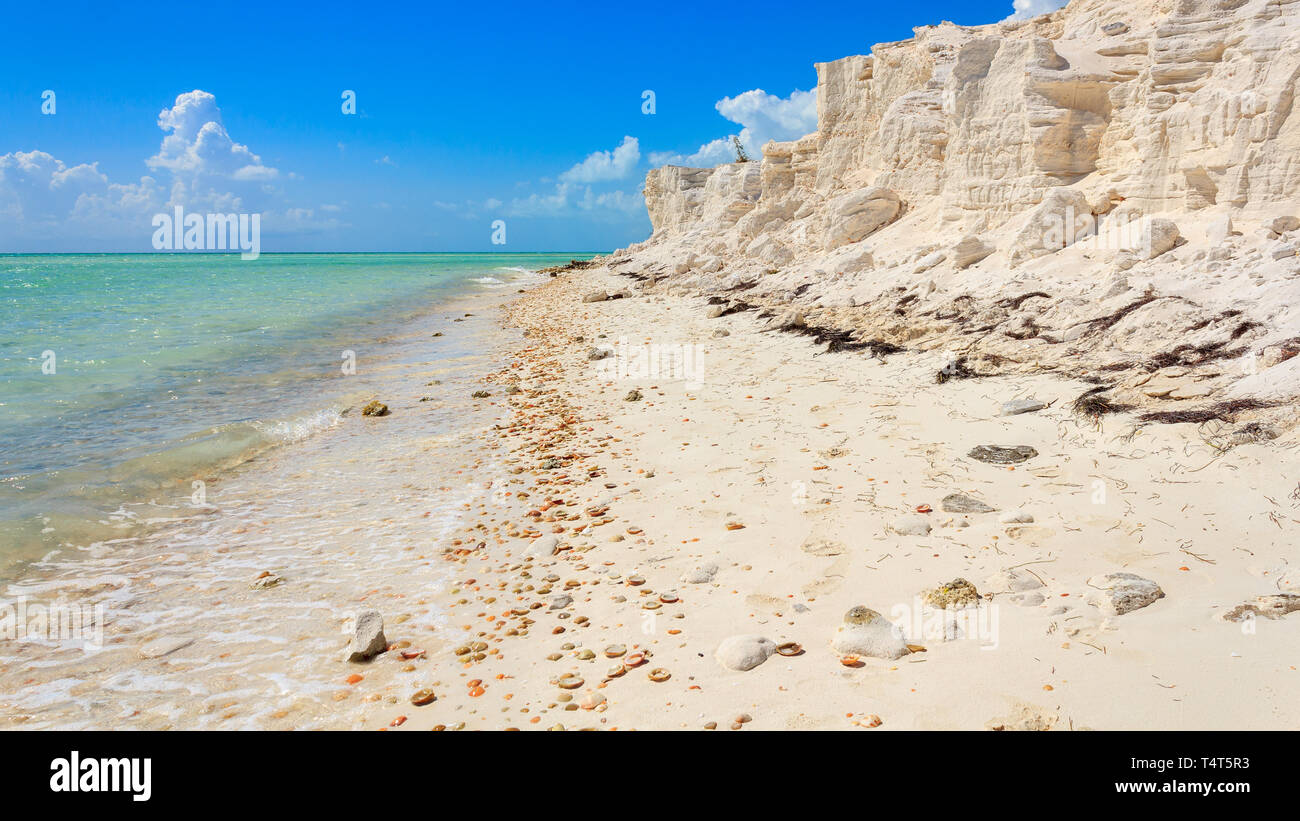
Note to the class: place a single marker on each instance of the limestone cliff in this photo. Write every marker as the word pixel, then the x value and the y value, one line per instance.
pixel 1086 191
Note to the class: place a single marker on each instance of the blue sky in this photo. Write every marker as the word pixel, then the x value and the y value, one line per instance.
pixel 466 113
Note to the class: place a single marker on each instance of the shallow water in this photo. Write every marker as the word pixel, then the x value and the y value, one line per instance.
pixel 126 378
pixel 334 508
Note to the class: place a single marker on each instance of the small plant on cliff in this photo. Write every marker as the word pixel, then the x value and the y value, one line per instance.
pixel 741 155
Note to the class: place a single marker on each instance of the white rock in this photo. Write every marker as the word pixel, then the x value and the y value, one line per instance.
pixel 542 547
pixel 864 632
pixel 1158 236
pixel 367 636
pixel 700 575
pixel 969 251
pixel 744 652
pixel 1121 593
pixel 914 524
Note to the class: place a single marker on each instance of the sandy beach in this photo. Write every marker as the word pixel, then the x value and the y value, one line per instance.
pixel 762 495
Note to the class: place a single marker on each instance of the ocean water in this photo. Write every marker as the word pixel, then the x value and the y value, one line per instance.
pixel 128 381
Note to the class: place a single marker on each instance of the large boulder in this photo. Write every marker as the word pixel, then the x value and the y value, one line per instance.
pixel 859 214
pixel 1158 236
pixel 1062 218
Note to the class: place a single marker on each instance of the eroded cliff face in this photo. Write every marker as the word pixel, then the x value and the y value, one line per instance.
pixel 1110 153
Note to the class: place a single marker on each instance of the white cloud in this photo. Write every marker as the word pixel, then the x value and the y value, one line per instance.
pixel 197 166
pixel 199 145
pixel 606 165
pixel 762 117
pixel 1024 9
pixel 569 199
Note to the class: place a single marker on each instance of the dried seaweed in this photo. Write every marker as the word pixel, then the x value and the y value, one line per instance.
pixel 1015 302
pixel 1219 411
pixel 956 369
pixel 841 341
pixel 1193 355
pixel 1093 405
pixel 1103 323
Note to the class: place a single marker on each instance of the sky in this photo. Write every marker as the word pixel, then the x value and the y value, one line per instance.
pixel 523 122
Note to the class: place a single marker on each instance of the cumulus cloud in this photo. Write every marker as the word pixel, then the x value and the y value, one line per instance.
pixel 199 145
pixel 606 165
pixel 578 190
pixel 197 166
pixel 762 117
pixel 1024 9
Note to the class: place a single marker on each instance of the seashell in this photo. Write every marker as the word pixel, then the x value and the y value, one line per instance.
pixel 614 651
pixel 668 598
pixel 569 681
pixel 634 660
pixel 790 648
pixel 850 661
pixel 659 674
pixel 651 605
pixel 586 655
pixel 635 580
pixel 462 650
pixel 616 671
pixel 422 697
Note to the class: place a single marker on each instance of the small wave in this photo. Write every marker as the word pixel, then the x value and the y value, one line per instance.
pixel 284 431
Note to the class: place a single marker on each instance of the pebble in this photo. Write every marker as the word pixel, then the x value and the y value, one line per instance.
pixel 744 652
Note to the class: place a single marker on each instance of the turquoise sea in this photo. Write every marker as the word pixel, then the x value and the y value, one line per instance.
pixel 124 376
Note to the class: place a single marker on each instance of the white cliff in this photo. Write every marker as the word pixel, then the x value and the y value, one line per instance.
pixel 1085 191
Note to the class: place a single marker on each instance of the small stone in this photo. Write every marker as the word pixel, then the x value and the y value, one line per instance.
pixel 595 296
pixel 1012 580
pixel 480 394
pixel 368 636
pixel 954 595
pixel 560 602
pixel 597 354
pixel 1115 28
pixel 160 647
pixel 700 575
pixel 1121 593
pixel 961 503
pixel 911 525
pixel 721 332
pixel 265 581
pixel 998 455
pixel 715 311
pixel 374 408
pixel 1019 406
pixel 1274 606
pixel 744 652
pixel 633 395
